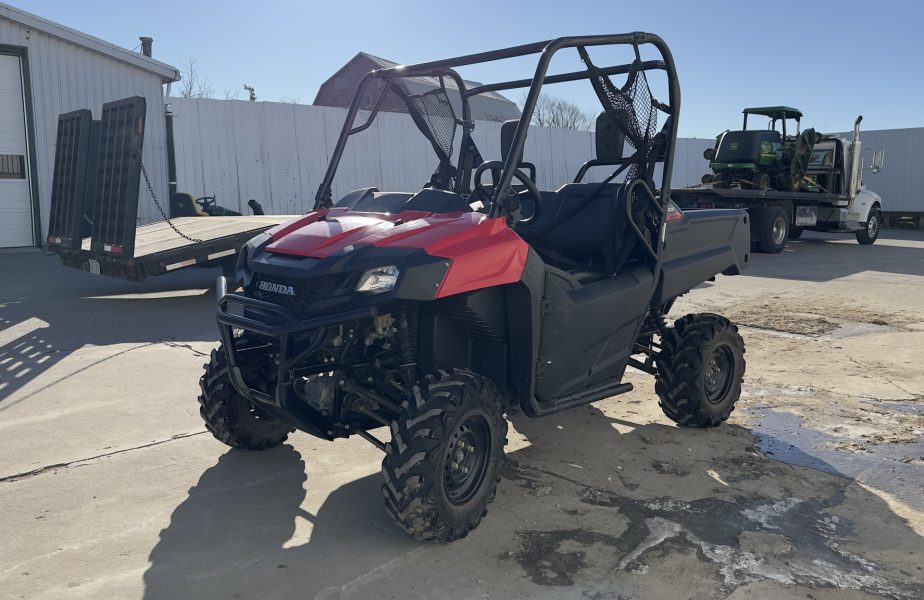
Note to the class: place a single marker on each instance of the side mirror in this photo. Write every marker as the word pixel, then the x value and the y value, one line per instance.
pixel 878 157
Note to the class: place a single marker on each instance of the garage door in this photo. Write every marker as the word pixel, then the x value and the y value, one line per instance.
pixel 15 197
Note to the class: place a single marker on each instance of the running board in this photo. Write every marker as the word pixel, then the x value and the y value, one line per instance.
pixel 607 390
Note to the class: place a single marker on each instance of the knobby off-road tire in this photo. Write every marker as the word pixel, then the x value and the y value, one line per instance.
pixel 700 368
pixel 229 416
pixel 870 232
pixel 773 230
pixel 442 464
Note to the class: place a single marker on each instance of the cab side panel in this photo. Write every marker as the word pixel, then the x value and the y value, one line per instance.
pixel 588 332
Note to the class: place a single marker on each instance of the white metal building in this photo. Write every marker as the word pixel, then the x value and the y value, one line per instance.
pixel 47 69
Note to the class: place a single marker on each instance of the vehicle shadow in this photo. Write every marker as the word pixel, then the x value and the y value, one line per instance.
pixel 48 311
pixel 826 256
pixel 594 500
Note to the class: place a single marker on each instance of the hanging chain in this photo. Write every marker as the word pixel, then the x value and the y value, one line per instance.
pixel 161 208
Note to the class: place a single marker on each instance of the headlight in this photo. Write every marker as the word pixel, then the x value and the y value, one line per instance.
pixel 378 280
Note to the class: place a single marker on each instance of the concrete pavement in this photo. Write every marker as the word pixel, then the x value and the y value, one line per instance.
pixel 111 488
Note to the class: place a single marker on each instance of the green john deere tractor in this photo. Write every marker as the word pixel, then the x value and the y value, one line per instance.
pixel 762 159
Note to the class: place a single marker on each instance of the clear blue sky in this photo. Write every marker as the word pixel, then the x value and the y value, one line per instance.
pixel 832 59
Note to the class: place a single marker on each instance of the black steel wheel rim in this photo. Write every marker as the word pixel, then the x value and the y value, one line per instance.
pixel 466 459
pixel 719 374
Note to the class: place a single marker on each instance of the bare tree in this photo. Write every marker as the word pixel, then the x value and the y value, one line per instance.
pixel 232 95
pixel 557 112
pixel 192 84
pixel 290 100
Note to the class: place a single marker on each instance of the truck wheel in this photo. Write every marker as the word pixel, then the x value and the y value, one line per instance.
pixel 868 234
pixel 719 180
pixel 795 233
pixel 773 230
pixel 700 368
pixel 230 416
pixel 442 463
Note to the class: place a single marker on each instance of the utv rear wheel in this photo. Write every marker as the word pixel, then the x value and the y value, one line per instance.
pixel 773 230
pixel 700 368
pixel 230 416
pixel 441 466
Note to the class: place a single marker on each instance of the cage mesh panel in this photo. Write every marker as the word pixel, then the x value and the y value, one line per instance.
pixel 631 105
pixel 436 112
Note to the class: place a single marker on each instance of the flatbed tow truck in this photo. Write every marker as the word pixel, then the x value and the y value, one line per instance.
pixel 832 197
pixel 94 204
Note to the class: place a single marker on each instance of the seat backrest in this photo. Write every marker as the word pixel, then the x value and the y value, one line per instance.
pixel 609 137
pixel 508 130
pixel 581 233
pixel 610 140
pixel 184 205
pixel 742 146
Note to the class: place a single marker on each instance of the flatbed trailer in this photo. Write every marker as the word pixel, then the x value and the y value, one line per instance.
pixel 94 204
pixel 775 215
pixel 838 200
pixel 159 249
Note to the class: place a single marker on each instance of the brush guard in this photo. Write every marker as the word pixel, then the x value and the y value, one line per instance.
pixel 276 322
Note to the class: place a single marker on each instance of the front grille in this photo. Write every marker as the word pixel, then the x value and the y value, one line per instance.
pixel 308 292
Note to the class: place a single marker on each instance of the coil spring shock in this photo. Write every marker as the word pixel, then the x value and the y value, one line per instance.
pixel 407 348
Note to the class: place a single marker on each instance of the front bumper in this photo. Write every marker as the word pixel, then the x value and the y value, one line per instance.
pixel 274 321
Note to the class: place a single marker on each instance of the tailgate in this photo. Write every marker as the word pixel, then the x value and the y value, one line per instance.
pixel 701 245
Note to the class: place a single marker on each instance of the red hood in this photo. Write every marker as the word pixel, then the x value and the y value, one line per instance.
pixel 322 233
pixel 483 252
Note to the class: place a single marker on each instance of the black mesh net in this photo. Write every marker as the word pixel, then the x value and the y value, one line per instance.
pixel 435 115
pixel 632 105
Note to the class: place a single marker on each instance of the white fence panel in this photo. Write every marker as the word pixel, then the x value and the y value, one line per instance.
pixel 278 153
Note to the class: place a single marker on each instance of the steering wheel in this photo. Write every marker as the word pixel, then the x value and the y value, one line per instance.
pixel 531 189
pixel 205 201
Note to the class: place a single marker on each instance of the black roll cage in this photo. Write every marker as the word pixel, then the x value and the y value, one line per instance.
pixel 546 50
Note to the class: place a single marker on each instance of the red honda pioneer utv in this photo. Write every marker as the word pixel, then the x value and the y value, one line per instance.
pixel 433 312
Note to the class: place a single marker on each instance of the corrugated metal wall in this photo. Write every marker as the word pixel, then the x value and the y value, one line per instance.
pixel 277 153
pixel 900 184
pixel 66 77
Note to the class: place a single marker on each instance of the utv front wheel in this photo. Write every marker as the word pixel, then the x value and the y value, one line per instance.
pixel 230 416
pixel 441 466
pixel 700 368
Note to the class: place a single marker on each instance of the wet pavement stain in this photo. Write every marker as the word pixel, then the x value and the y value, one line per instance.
pixel 807 539
pixel 782 437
